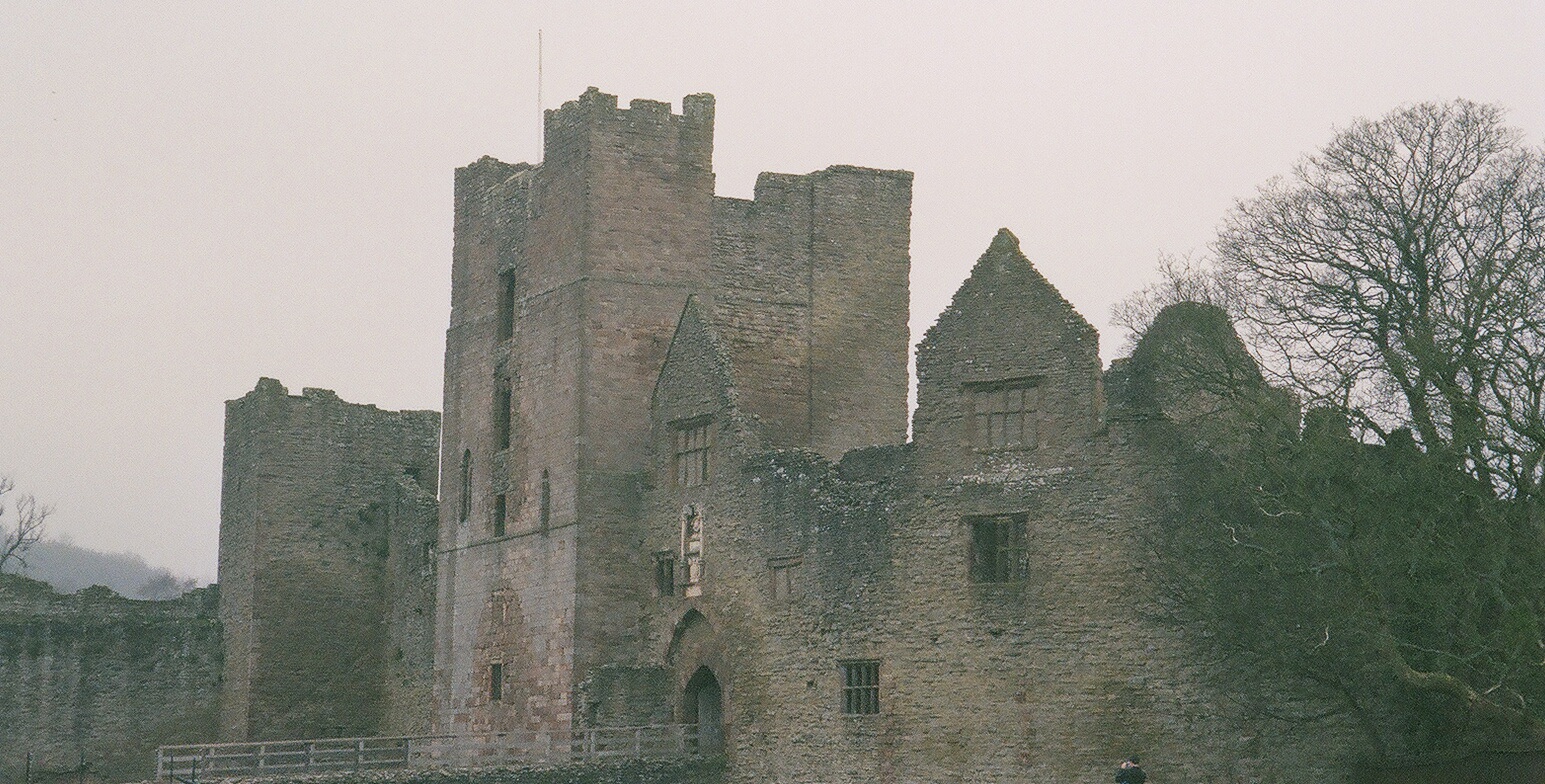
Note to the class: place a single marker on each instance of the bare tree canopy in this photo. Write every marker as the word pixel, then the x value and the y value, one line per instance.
pixel 1398 275
pixel 22 524
pixel 1388 554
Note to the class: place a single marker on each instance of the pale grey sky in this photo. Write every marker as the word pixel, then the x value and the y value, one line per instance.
pixel 197 194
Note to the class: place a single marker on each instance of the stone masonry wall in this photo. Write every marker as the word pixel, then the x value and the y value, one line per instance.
pixel 1054 675
pixel 326 522
pixel 98 677
pixel 811 301
pixel 568 279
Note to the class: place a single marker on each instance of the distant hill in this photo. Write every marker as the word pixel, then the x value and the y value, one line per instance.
pixel 69 568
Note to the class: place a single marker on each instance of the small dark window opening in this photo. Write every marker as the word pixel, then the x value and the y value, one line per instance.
pixel 691 450
pixel 506 314
pixel 502 416
pixel 999 549
pixel 495 682
pixel 546 507
pixel 501 513
pixel 860 687
pixel 784 584
pixel 664 574
pixel 464 503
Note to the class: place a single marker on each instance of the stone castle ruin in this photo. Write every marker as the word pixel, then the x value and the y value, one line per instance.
pixel 675 486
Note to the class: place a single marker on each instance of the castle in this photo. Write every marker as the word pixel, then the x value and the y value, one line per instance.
pixel 675 485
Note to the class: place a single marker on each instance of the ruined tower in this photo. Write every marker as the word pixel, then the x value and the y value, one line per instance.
pixel 568 281
pixel 326 518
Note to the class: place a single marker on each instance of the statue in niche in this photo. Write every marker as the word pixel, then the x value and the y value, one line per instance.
pixel 692 548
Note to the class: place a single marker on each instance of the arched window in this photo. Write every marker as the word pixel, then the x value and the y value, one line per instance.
pixel 464 503
pixel 547 500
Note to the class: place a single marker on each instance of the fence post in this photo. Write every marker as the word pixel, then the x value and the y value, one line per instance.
pixel 27 776
pixel 160 765
pixel 359 754
pixel 407 752
pixel 311 748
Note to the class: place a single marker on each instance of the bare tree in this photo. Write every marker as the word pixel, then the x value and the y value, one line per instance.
pixel 22 524
pixel 1399 275
pixel 1395 283
pixel 1192 277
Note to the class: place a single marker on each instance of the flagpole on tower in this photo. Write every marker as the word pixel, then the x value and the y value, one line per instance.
pixel 541 125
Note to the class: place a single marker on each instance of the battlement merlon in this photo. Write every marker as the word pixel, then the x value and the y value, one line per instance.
pixel 277 397
pixel 645 126
pixel 775 186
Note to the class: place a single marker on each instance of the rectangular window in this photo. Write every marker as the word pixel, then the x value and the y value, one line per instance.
pixel 860 687
pixel 502 399
pixel 501 513
pixel 664 574
pixel 495 682
pixel 1005 414
pixel 691 448
pixel 999 549
pixel 784 584
pixel 505 317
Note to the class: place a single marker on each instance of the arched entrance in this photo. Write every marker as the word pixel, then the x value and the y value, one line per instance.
pixel 702 705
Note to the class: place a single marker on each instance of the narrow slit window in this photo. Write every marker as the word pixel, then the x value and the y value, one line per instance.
pixel 691 450
pixel 464 500
pixel 664 574
pixel 501 513
pixel 502 401
pixel 860 687
pixel 496 682
pixel 506 314
pixel 999 549
pixel 545 506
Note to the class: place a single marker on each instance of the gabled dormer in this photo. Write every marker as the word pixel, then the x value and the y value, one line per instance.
pixel 1009 366
pixel 695 415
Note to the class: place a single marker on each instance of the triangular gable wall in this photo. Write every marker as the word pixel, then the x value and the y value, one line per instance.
pixel 1006 323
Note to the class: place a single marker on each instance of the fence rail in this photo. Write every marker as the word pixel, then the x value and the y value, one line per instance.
pixel 194 763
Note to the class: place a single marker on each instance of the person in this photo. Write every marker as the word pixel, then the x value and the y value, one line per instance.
pixel 1130 773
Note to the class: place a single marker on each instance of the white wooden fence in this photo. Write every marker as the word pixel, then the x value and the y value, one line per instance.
pixel 288 757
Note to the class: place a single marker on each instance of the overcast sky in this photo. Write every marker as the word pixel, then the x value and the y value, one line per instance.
pixel 198 194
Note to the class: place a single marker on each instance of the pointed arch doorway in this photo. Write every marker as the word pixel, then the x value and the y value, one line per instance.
pixel 703 705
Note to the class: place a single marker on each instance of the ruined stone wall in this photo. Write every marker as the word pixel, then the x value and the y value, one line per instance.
pixel 1054 674
pixel 1006 323
pixel 1051 678
pixel 326 523
pixel 811 301
pixel 98 677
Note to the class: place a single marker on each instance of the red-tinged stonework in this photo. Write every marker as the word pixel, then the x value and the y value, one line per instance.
pixel 710 395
